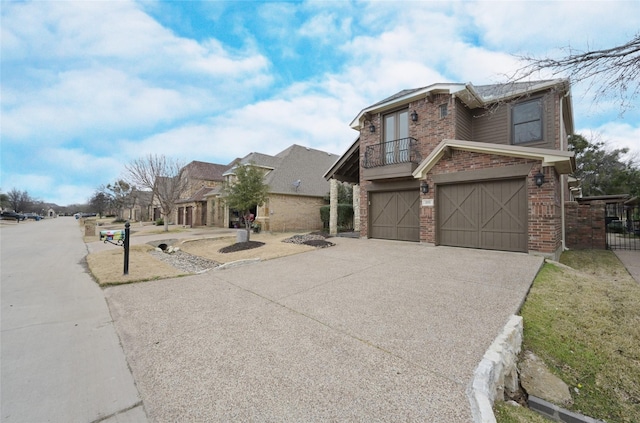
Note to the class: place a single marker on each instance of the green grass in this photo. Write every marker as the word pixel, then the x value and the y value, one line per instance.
pixel 584 322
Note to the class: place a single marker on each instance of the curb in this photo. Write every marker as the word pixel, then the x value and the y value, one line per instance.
pixel 553 412
pixel 237 263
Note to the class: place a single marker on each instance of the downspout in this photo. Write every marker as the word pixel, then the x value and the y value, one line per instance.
pixel 563 178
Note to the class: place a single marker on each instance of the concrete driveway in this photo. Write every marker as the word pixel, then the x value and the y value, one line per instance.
pixel 367 330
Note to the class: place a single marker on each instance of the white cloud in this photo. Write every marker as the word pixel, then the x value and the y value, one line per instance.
pixel 107 67
pixel 538 27
pixel 617 135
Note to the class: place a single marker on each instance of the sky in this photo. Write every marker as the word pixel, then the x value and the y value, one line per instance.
pixel 88 86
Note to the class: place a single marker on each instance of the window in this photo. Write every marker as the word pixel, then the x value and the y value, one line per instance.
pixel 444 110
pixel 396 134
pixel 526 121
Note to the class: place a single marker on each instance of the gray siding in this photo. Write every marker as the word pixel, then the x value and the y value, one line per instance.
pixel 463 122
pixel 494 126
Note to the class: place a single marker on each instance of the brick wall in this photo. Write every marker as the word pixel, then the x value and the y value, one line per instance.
pixel 429 131
pixel 291 213
pixel 585 225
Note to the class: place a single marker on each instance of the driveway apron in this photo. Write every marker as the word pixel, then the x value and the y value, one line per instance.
pixel 367 330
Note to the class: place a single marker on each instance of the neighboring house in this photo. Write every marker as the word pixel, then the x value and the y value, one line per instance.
pixel 296 189
pixel 137 207
pixel 457 165
pixel 192 208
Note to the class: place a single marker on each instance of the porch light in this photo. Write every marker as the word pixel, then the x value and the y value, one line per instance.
pixel 372 128
pixel 414 116
pixel 424 187
pixel 539 179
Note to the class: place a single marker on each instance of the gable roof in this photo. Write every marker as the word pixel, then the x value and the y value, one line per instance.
pixel 296 163
pixel 472 96
pixel 205 171
pixel 347 167
pixel 563 161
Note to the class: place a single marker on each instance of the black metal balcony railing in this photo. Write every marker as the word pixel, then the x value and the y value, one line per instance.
pixel 404 150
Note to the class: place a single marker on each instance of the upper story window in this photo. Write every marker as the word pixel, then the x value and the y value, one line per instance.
pixel 444 110
pixel 396 136
pixel 526 121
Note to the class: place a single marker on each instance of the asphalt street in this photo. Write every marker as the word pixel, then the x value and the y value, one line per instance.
pixel 61 360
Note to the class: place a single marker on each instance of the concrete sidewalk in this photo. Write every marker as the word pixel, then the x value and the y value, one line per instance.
pixel 61 360
pixel 631 260
pixel 366 330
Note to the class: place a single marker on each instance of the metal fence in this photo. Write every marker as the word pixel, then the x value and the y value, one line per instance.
pixel 623 226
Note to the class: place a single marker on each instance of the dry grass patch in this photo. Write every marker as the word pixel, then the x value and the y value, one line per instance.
pixel 273 248
pixel 584 322
pixel 107 266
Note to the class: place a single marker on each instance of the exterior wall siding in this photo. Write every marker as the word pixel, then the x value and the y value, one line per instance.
pixel 291 213
pixel 494 125
pixel 464 125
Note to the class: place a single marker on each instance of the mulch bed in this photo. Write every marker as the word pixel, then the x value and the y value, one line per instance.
pixel 241 246
pixel 314 239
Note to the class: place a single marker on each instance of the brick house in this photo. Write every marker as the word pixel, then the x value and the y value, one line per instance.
pixel 192 208
pixel 463 165
pixel 296 189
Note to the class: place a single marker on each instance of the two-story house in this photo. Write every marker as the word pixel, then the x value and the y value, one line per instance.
pixel 201 178
pixel 464 165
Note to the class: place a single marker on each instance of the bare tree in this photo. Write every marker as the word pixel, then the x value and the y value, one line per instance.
pixel 163 177
pixel 19 200
pixel 611 72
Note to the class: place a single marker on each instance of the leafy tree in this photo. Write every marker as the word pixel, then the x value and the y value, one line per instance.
pixel 602 171
pixel 100 202
pixel 612 71
pixel 163 177
pixel 248 190
pixel 345 195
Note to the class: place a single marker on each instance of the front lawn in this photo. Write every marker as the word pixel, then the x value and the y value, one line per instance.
pixel 583 320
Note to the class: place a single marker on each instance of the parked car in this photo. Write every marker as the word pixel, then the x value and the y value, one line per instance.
pixel 12 215
pixel 33 216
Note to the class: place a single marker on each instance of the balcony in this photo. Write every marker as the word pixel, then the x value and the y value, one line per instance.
pixel 391 159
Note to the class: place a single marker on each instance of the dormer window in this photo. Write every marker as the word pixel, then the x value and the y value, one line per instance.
pixel 526 122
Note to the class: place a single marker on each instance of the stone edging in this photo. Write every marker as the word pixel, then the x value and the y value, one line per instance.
pixel 496 372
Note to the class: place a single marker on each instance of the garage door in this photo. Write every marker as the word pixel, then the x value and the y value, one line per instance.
pixel 490 215
pixel 395 215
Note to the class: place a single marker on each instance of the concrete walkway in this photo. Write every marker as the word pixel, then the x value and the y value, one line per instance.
pixel 61 360
pixel 364 331
pixel 631 260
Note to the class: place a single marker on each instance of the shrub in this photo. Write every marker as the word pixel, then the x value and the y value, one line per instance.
pixel 345 216
pixel 160 222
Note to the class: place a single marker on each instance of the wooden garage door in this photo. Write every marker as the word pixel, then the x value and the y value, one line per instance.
pixel 490 215
pixel 395 215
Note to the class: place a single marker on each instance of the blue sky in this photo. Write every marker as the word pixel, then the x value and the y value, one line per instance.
pixel 89 86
